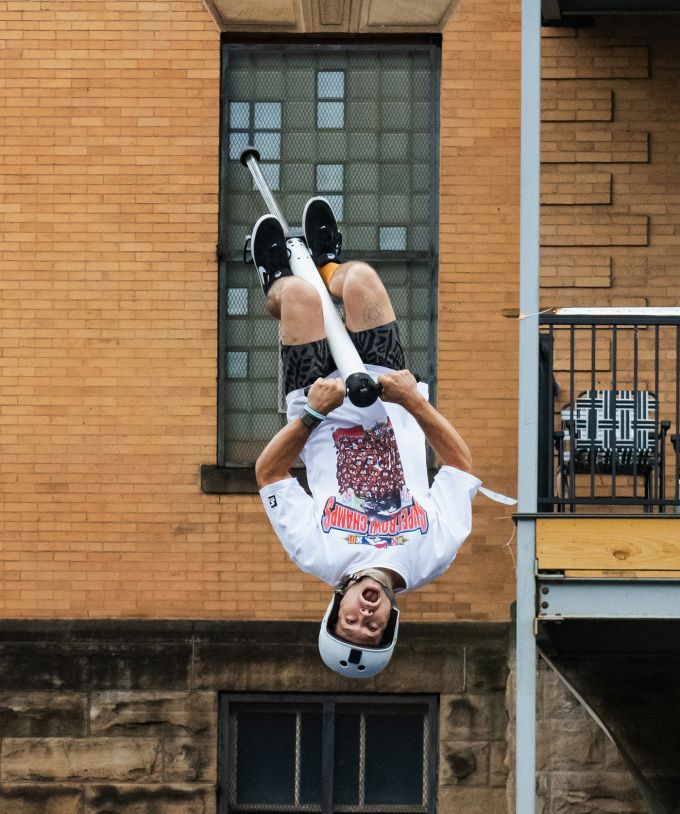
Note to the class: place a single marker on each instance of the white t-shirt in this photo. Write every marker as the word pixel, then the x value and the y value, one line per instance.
pixel 371 504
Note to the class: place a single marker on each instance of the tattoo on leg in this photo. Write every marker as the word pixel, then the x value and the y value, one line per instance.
pixel 289 338
pixel 374 314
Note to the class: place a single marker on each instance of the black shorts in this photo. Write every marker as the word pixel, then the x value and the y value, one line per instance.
pixel 304 364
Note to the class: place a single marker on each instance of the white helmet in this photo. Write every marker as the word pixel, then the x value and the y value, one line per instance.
pixel 350 659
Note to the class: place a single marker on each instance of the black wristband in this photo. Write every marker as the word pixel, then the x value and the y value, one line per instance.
pixel 310 421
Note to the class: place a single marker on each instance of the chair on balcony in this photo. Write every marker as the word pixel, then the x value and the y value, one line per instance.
pixel 612 432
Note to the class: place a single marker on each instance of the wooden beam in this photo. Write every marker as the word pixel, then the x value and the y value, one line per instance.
pixel 611 573
pixel 637 545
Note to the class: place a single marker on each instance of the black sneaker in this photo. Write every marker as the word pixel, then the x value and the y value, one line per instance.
pixel 269 251
pixel 321 231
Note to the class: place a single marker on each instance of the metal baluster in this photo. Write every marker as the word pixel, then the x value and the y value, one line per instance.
pixel 572 428
pixel 615 390
pixel 655 488
pixel 592 448
pixel 635 390
pixel 676 445
pixel 551 417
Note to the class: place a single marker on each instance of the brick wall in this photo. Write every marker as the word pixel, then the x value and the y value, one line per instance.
pixel 109 202
pixel 610 164
pixel 479 276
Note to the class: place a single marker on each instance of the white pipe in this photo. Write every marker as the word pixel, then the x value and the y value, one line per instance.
pixel 345 355
pixel 530 144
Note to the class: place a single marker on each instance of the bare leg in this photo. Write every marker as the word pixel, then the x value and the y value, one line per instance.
pixel 296 303
pixel 367 303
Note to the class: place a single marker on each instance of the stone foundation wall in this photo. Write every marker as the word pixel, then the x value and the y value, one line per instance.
pixel 472 746
pixel 579 768
pixel 108 717
pixel 97 721
pixel 121 717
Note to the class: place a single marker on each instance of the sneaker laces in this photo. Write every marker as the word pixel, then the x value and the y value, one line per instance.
pixel 328 240
pixel 276 256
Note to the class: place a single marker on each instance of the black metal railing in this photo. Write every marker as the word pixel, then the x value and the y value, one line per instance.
pixel 609 411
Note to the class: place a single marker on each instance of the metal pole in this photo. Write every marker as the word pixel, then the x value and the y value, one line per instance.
pixel 250 159
pixel 362 389
pixel 525 676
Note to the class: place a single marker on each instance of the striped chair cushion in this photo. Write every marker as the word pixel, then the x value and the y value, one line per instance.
pixel 605 420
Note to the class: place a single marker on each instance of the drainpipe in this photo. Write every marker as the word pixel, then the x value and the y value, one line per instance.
pixel 525 677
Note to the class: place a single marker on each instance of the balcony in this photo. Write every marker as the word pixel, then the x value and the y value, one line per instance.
pixel 609 411
pixel 607 544
pixel 609 463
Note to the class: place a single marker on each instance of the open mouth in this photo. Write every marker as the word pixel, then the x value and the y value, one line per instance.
pixel 370 594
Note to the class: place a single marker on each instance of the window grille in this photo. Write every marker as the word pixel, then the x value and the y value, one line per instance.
pixel 358 124
pixel 328 754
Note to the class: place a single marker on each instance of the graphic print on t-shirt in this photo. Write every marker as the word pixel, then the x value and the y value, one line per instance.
pixel 373 504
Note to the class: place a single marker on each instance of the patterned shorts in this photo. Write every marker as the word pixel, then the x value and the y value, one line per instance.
pixel 304 364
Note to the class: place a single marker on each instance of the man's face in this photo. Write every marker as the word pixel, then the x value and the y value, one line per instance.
pixel 364 612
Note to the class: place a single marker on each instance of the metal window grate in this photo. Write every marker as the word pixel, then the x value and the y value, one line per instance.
pixel 328 753
pixel 373 155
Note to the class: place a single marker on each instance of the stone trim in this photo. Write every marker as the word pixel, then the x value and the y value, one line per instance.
pixel 332 16
pixel 183 655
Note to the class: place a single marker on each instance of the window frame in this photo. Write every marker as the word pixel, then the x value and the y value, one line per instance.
pixel 329 703
pixel 229 476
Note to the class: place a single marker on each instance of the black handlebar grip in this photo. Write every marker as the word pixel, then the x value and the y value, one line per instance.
pixel 362 391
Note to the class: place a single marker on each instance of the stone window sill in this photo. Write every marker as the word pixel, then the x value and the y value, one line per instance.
pixel 238 479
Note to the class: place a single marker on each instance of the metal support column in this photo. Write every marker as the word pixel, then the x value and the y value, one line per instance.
pixel 525 677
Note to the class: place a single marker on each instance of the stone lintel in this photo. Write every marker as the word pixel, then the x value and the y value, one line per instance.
pixel 105 665
pixel 160 657
pixel 332 16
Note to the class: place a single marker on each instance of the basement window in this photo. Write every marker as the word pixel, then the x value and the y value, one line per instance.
pixel 328 754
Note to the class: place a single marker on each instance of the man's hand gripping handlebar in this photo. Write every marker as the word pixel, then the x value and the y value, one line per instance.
pixel 360 388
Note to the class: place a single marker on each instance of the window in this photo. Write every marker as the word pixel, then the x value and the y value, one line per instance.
pixel 358 124
pixel 327 754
